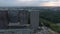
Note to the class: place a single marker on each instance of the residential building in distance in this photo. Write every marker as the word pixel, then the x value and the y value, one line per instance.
pixel 3 19
pixel 16 20
pixel 13 16
pixel 23 16
pixel 34 19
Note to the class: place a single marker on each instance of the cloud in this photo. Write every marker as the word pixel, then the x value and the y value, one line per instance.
pixel 19 2
pixel 51 4
pixel 29 3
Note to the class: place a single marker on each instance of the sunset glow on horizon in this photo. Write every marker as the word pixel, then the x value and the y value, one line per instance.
pixel 51 4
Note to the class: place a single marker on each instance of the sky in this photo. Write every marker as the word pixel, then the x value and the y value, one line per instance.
pixel 10 3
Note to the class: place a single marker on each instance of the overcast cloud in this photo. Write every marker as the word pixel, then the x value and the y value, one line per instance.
pixel 29 3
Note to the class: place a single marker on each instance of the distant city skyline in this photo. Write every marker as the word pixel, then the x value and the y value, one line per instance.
pixel 12 3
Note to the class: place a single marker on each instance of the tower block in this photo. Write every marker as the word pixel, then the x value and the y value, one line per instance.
pixel 34 19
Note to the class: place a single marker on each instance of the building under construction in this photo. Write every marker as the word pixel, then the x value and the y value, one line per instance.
pixel 3 19
pixel 16 21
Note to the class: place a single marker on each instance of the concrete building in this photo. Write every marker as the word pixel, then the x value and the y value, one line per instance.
pixel 13 16
pixel 34 19
pixel 23 15
pixel 18 17
pixel 3 19
pixel 23 19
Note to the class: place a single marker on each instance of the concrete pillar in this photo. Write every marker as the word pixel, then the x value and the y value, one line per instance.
pixel 34 19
